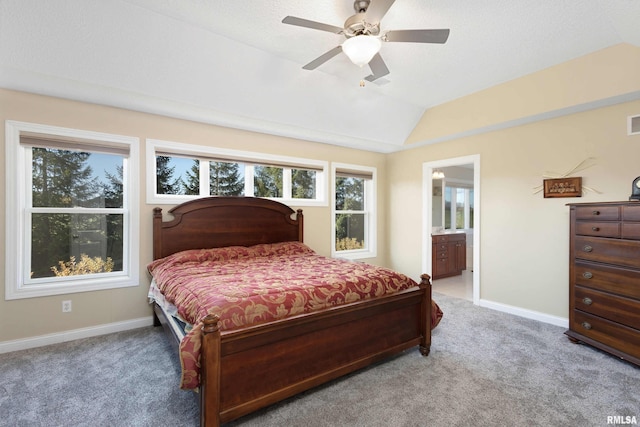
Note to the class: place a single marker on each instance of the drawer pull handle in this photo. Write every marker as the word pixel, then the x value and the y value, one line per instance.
pixel 595 228
pixel 596 212
pixel 587 300
pixel 587 248
pixel 587 275
pixel 586 325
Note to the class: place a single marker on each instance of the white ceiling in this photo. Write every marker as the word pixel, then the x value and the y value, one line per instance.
pixel 234 63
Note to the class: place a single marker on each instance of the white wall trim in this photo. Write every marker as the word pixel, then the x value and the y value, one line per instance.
pixel 75 334
pixel 528 314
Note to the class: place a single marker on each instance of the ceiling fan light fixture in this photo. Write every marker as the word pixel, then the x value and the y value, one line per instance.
pixel 361 49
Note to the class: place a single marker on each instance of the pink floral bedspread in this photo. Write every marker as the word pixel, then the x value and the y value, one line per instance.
pixel 250 285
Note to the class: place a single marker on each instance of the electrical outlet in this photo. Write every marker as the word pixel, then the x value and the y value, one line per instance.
pixel 66 306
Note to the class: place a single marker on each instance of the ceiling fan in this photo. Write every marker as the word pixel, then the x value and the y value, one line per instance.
pixel 364 37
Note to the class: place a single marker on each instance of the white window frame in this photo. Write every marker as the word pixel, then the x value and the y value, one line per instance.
pixel 156 146
pixel 18 214
pixel 467 186
pixel 371 189
pixel 633 125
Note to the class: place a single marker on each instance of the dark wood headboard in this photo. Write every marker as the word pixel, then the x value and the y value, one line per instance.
pixel 215 222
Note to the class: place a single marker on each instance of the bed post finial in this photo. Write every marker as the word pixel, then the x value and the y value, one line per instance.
pixel 210 324
pixel 300 219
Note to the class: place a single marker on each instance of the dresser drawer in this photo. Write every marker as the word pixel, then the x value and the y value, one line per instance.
pixel 612 307
pixel 610 333
pixel 631 230
pixel 598 213
pixel 446 238
pixel 631 213
pixel 620 281
pixel 440 247
pixel 619 252
pixel 598 229
pixel 442 254
pixel 440 239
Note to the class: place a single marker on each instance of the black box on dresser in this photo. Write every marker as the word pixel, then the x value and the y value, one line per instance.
pixel 604 277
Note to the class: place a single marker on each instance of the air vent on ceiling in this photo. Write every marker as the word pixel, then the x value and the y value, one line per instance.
pixel 634 125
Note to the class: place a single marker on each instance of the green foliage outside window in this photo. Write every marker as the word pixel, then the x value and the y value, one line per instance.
pixel 174 176
pixel 349 243
pixel 267 181
pixel 303 184
pixel 350 227
pixel 63 179
pixel 86 265
pixel 225 179
pixel 165 184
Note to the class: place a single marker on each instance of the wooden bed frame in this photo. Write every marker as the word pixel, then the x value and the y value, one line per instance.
pixel 250 368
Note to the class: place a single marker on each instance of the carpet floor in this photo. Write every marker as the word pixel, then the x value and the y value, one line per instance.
pixel 486 368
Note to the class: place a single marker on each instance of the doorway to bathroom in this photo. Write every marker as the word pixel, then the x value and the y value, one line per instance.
pixel 451 206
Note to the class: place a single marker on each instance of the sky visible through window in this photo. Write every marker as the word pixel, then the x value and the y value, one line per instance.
pixel 101 164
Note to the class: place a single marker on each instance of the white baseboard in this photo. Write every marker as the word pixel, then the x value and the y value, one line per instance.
pixel 58 337
pixel 529 314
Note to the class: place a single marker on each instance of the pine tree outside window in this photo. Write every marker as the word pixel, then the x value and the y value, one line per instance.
pixel 184 172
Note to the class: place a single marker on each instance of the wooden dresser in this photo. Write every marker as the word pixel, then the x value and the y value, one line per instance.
pixel 604 271
pixel 448 254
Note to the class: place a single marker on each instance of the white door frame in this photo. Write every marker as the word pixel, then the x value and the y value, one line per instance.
pixel 427 220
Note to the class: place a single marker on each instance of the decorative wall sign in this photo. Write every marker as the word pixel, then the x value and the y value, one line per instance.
pixel 585 164
pixel 563 187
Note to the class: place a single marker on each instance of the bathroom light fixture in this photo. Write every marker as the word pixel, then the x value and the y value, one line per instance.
pixel 437 174
pixel 361 49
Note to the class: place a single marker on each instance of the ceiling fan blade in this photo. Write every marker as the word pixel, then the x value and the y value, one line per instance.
pixel 377 9
pixel 323 58
pixel 378 68
pixel 292 20
pixel 417 36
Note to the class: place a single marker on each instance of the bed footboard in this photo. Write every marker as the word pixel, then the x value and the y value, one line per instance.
pixel 249 369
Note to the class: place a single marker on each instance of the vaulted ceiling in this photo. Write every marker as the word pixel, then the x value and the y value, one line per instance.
pixel 234 63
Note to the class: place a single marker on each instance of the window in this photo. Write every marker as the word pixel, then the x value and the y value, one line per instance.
pixel 458 206
pixel 184 172
pixel 354 221
pixel 70 213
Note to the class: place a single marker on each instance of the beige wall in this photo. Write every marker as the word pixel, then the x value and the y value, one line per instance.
pixel 524 237
pixel 39 316
pixel 608 74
